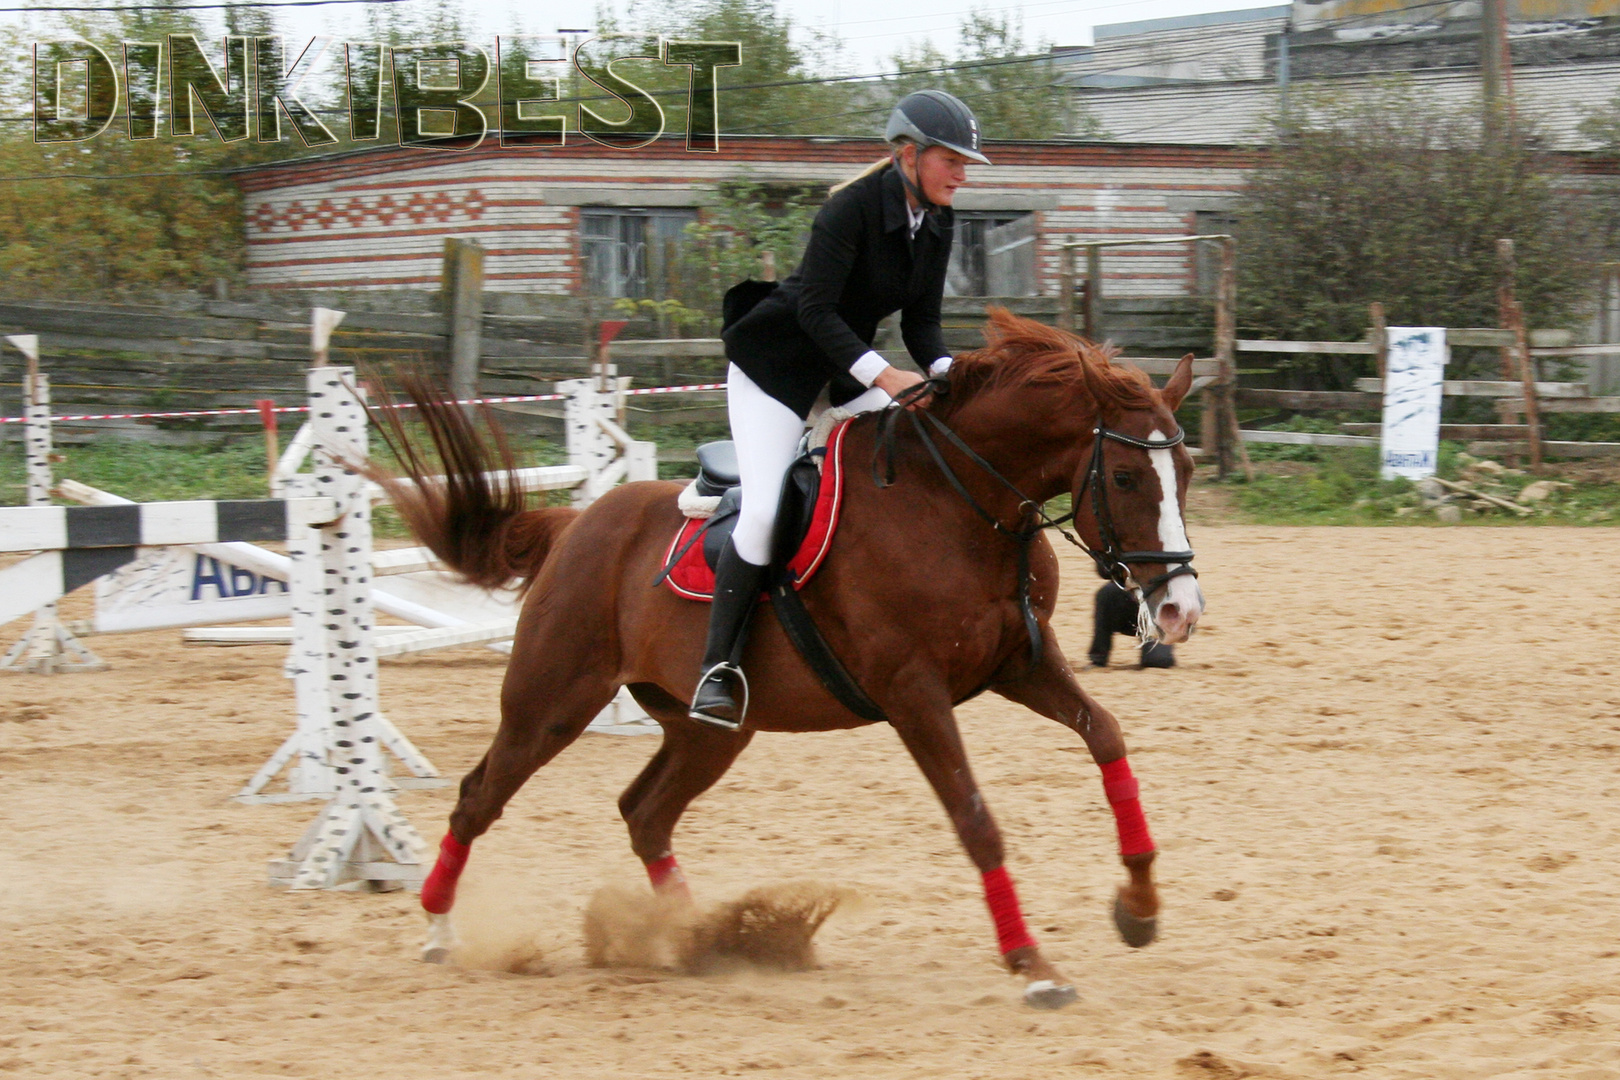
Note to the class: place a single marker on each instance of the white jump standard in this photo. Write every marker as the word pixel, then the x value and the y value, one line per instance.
pixel 48 646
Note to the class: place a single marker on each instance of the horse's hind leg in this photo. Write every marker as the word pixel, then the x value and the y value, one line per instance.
pixel 545 705
pixel 693 756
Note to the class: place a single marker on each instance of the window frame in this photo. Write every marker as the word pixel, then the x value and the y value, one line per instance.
pixel 971 260
pixel 633 271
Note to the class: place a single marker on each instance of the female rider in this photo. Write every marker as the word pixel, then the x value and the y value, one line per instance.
pixel 879 245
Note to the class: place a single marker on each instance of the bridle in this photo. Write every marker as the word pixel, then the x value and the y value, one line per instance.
pixel 1114 563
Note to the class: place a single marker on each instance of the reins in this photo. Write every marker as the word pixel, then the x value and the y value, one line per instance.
pixel 1113 563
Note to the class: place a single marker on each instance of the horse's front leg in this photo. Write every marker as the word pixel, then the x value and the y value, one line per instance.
pixel 1049 688
pixel 936 744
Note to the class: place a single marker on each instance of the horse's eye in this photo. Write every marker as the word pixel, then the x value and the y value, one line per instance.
pixel 1124 480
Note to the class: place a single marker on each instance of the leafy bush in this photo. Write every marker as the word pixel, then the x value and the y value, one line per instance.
pixel 1400 200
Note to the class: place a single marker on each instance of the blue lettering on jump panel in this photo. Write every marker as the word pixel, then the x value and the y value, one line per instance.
pixel 1424 460
pixel 227 581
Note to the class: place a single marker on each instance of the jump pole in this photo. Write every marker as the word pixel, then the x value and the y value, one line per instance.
pixel 48 647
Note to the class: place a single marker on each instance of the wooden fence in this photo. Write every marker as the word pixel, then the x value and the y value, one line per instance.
pixel 1525 396
pixel 193 353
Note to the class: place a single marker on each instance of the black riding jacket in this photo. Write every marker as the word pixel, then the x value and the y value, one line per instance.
pixel 861 265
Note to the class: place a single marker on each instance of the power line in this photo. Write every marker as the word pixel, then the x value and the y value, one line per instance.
pixel 202 7
pixel 949 67
pixel 1036 58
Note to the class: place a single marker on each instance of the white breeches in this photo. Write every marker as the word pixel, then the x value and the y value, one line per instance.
pixel 767 435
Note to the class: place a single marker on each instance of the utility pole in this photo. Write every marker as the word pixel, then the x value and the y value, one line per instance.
pixel 1283 72
pixel 1493 61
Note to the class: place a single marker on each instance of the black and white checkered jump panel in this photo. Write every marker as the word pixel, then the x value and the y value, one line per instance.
pixel 78 544
pixel 156 524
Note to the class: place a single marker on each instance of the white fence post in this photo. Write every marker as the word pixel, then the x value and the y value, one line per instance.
pixel 588 444
pixel 48 645
pixel 596 442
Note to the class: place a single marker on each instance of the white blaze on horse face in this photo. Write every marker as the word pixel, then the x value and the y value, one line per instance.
pixel 1183 602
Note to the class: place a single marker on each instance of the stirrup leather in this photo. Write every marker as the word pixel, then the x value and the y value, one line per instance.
pixel 720 670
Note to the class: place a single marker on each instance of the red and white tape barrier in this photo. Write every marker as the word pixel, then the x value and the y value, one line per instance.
pixel 256 411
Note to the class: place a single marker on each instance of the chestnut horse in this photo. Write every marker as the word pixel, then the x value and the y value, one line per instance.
pixel 919 597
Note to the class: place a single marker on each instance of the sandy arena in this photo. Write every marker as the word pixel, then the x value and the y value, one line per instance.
pixel 1383 782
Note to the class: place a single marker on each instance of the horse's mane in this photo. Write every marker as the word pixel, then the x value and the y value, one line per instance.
pixel 1022 352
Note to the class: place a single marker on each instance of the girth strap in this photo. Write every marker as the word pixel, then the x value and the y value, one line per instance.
pixel 801 630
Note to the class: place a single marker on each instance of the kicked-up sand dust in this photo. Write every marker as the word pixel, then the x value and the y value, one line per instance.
pixel 771 927
pixel 1384 779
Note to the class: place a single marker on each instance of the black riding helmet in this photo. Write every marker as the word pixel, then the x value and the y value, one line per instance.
pixel 935 118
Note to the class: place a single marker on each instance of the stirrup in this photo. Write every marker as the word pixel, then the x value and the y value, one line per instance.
pixel 720 670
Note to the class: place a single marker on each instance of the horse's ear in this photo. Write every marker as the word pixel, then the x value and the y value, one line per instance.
pixel 1176 389
pixel 1095 386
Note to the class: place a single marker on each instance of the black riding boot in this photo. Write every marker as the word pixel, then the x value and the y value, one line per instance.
pixel 1157 654
pixel 737 583
pixel 1115 613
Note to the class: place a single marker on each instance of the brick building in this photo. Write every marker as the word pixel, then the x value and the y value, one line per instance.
pixel 590 219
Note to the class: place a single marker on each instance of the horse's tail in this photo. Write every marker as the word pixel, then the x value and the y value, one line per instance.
pixel 472 516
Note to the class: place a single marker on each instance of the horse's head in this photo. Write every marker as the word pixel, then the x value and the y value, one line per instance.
pixel 1130 494
pixel 1041 397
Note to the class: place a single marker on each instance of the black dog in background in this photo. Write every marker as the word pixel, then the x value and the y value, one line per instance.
pixel 1116 614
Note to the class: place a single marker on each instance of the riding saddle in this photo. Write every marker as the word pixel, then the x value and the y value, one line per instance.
pixel 805 524
pixel 717 475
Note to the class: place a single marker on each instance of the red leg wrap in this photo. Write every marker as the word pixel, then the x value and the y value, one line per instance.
pixel 999 893
pixel 1122 791
pixel 666 876
pixel 439 890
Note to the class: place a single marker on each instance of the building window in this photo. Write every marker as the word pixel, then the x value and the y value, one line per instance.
pixel 632 253
pixel 993 254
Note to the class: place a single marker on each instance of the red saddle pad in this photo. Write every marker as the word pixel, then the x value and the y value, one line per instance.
pixel 691 576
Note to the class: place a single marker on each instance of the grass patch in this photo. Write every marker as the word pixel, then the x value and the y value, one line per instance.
pixel 231 470
pixel 1296 485
pixel 148 473
pixel 1330 485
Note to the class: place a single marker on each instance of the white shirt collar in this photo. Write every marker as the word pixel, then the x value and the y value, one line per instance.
pixel 916 215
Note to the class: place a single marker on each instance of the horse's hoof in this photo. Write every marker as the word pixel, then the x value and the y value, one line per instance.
pixel 1046 994
pixel 441 940
pixel 1136 932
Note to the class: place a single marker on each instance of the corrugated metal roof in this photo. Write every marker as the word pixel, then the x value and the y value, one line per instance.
pixel 1189 53
pixel 1184 22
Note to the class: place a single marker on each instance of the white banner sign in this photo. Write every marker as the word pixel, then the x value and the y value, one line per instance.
pixel 1413 380
pixel 180 586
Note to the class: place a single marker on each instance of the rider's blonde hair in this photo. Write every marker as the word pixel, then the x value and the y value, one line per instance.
pixel 877 166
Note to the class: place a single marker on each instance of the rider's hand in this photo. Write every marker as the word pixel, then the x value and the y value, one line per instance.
pixel 893 381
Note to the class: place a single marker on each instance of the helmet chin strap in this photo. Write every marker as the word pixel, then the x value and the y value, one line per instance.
pixel 911 185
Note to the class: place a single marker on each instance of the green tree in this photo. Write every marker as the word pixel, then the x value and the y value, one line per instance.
pixel 1400 201
pixel 770 56
pixel 1602 126
pixel 113 216
pixel 1007 83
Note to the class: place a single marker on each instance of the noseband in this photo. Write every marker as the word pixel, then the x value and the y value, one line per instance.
pixel 1114 563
